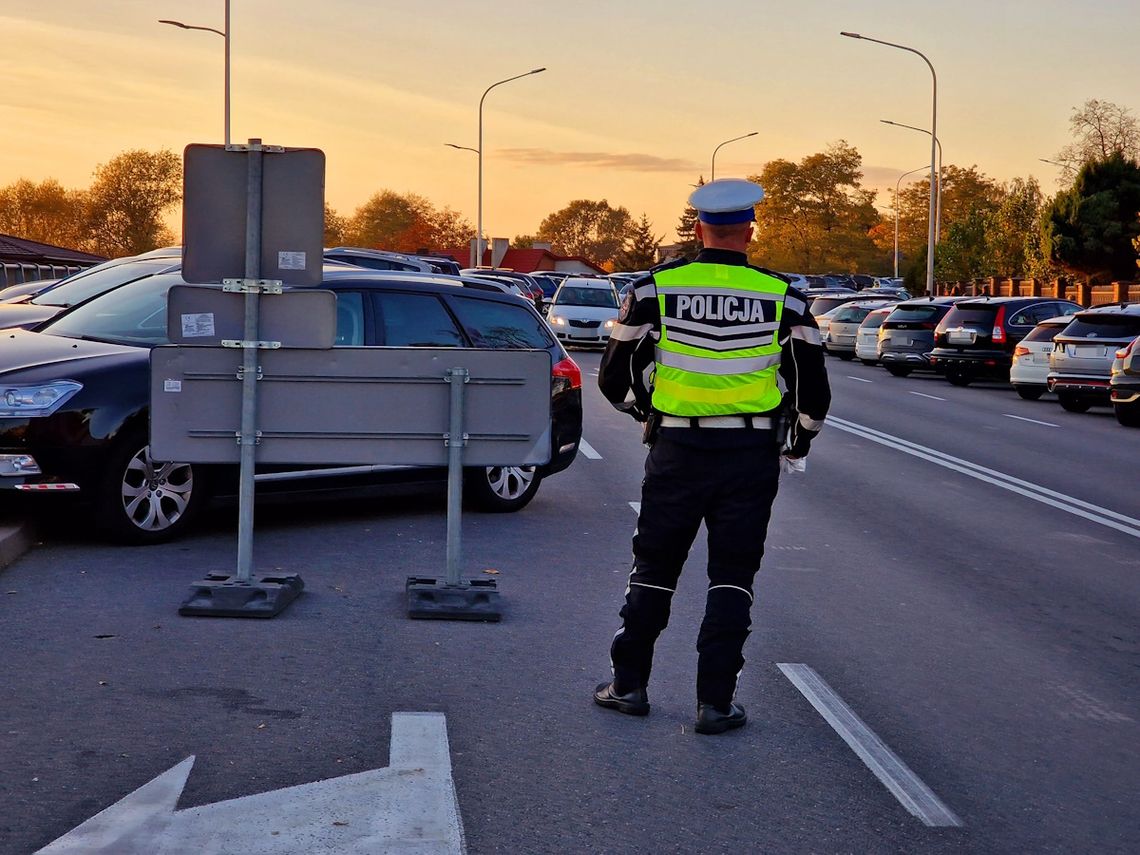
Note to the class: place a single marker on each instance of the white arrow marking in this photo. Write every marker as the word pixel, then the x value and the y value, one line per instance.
pixel 588 450
pixel 407 807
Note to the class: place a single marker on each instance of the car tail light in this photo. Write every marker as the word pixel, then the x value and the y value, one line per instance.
pixel 1127 349
pixel 999 326
pixel 1021 350
pixel 564 376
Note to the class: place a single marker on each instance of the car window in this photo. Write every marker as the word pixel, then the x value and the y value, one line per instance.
pixel 822 305
pixel 1044 332
pixel 349 318
pixel 1104 326
pixel 849 314
pixel 489 323
pixel 915 314
pixel 1026 316
pixel 873 321
pixel 415 320
pixel 132 314
pixel 975 315
pixel 572 295
pixel 82 287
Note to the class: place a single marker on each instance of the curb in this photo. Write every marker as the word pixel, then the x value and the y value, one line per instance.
pixel 16 538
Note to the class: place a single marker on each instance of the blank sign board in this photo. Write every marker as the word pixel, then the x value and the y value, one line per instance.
pixel 352 405
pixel 204 315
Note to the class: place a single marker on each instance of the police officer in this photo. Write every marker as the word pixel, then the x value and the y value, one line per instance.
pixel 696 355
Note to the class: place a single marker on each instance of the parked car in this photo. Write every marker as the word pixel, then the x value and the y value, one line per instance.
pixel 1029 371
pixel 1080 364
pixel 867 338
pixel 906 336
pixel 75 396
pixel 797 281
pixel 1124 385
pixel 821 304
pixel 583 311
pixel 377 259
pixel 977 337
pixel 843 326
pixel 528 285
pixel 26 289
pixel 824 322
pixel 439 264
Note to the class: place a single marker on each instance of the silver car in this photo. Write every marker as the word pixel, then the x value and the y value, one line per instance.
pixel 844 324
pixel 583 311
pixel 1029 371
pixel 867 339
pixel 1080 365
pixel 1124 387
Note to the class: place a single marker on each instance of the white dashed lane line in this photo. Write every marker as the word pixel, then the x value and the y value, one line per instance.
pixel 1031 421
pixel 860 379
pixel 924 395
pixel 588 450
pixel 894 774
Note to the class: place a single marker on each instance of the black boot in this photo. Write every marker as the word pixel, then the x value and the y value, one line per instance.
pixel 631 703
pixel 712 720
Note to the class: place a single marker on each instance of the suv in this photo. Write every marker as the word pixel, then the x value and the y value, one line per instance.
pixel 907 335
pixel 1080 365
pixel 377 259
pixel 75 398
pixel 1029 372
pixel 1124 387
pixel 843 326
pixel 977 337
pixel 824 302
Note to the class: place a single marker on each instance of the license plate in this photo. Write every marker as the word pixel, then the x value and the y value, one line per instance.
pixel 897 342
pixel 1090 351
pixel 961 336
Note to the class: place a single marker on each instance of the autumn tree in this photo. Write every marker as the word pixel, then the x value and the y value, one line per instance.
pixel 1100 129
pixel 406 222
pixel 815 214
pixel 523 241
pixel 1090 228
pixel 336 227
pixel 44 212
pixel 687 244
pixel 128 199
pixel 640 250
pixel 1012 229
pixel 593 230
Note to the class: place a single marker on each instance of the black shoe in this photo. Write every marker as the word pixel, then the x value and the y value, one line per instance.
pixel 631 703
pixel 712 720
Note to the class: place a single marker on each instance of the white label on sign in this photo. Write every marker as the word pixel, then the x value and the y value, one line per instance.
pixel 171 385
pixel 291 260
pixel 198 325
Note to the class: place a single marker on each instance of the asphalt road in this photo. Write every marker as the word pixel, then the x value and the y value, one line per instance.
pixel 984 630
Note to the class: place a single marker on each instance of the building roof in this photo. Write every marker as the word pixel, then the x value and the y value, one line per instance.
pixel 14 249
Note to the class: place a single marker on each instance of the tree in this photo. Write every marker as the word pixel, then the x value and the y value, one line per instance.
pixel 1090 227
pixel 336 227
pixel 1100 129
pixel 593 230
pixel 1011 230
pixel 44 212
pixel 406 222
pixel 964 189
pixel 523 241
pixel 815 214
pixel 687 244
pixel 640 250
pixel 127 201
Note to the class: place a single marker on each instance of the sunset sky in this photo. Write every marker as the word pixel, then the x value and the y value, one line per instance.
pixel 637 95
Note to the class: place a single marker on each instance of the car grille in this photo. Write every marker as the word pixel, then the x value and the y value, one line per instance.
pixel 585 325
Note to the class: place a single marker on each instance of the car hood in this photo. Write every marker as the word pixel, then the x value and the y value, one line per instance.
pixel 25 314
pixel 584 313
pixel 22 351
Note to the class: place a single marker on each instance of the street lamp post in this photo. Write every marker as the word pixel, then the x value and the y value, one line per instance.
pixel 931 236
pixel 718 148
pixel 897 184
pixel 938 204
pixel 479 151
pixel 225 34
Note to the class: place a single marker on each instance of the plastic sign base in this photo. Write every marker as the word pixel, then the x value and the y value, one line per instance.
pixel 223 596
pixel 434 599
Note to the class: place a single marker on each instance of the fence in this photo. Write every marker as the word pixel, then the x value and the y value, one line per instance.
pixel 1062 289
pixel 17 273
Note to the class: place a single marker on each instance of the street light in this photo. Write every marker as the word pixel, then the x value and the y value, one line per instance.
pixel 938 205
pixel 897 184
pixel 225 34
pixel 726 142
pixel 461 147
pixel 931 238
pixel 479 151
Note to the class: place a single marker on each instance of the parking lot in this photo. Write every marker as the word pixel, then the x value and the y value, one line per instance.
pixel 995 655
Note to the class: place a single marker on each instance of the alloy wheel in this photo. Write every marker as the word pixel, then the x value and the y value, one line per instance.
pixel 155 495
pixel 509 482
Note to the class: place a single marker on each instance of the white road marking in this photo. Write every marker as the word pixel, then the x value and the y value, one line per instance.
pixel 407 807
pixel 894 774
pixel 924 395
pixel 1033 421
pixel 588 450
pixel 1069 504
pixel 636 507
pixel 860 379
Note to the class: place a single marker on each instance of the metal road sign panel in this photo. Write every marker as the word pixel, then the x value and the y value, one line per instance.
pixel 352 405
pixel 215 190
pixel 202 315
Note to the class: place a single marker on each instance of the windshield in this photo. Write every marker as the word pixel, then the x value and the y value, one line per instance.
pixel 822 305
pixel 578 296
pixel 849 314
pixel 976 314
pixel 83 286
pixel 132 314
pixel 916 314
pixel 1104 326
pixel 874 320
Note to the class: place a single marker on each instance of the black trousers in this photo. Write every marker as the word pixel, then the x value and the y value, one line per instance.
pixel 731 490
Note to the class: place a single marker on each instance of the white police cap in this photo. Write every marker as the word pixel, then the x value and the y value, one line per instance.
pixel 726 201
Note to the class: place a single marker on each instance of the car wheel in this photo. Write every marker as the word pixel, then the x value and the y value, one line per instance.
pixel 899 370
pixel 501 489
pixel 1070 403
pixel 1127 414
pixel 1030 393
pixel 845 356
pixel 958 377
pixel 142 501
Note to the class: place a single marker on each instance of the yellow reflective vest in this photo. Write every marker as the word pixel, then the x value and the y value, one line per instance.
pixel 718 353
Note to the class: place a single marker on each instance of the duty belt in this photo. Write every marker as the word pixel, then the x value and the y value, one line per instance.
pixel 755 422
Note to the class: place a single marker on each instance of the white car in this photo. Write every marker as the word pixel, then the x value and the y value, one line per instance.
pixel 824 323
pixel 867 339
pixel 583 311
pixel 1029 370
